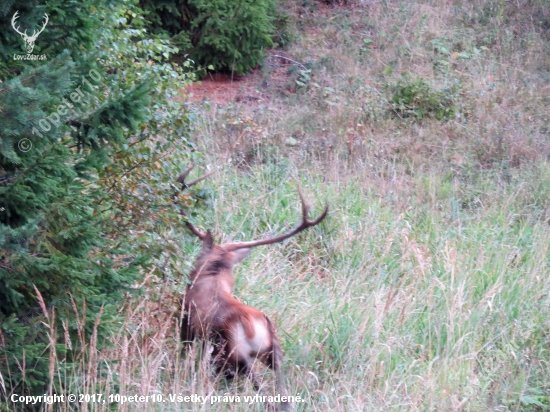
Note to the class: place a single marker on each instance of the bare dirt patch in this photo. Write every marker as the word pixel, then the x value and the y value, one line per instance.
pixel 258 87
pixel 221 88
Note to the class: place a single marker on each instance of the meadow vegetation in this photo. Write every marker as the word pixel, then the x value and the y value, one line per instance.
pixel 425 126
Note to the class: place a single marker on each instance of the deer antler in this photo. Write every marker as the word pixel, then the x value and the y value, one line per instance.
pixel 181 179
pixel 303 225
pixel 35 33
pixel 15 17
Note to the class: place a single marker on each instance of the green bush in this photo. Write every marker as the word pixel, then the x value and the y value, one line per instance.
pixel 417 99
pixel 224 34
pixel 232 35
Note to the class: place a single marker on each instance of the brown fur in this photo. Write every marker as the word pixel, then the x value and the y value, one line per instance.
pixel 239 334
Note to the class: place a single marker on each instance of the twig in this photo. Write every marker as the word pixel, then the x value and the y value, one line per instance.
pixel 290 60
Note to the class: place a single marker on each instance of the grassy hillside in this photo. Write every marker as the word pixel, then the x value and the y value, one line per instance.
pixel 425 126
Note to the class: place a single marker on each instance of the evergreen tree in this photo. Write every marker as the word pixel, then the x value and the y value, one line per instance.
pixel 232 35
pixel 225 34
pixel 100 94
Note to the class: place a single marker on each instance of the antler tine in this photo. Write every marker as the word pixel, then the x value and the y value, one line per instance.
pixel 194 182
pixel 320 218
pixel 305 212
pixel 192 227
pixel 305 207
pixel 15 17
pixel 47 19
pixel 181 179
pixel 304 224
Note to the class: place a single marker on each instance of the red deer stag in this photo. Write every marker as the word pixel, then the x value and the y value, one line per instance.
pixel 239 334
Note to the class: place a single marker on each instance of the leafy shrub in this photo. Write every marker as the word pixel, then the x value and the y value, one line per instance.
pixel 419 100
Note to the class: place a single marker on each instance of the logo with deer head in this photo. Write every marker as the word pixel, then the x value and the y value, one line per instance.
pixel 32 38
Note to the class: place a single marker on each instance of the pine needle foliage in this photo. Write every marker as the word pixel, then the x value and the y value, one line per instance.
pixel 100 98
pixel 223 34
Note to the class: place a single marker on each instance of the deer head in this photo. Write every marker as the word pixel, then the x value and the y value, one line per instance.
pixel 239 334
pixel 32 38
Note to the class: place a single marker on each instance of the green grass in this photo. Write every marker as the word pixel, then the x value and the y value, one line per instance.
pixel 418 310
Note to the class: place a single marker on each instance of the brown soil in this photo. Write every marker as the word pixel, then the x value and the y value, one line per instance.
pixel 224 88
pixel 219 88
